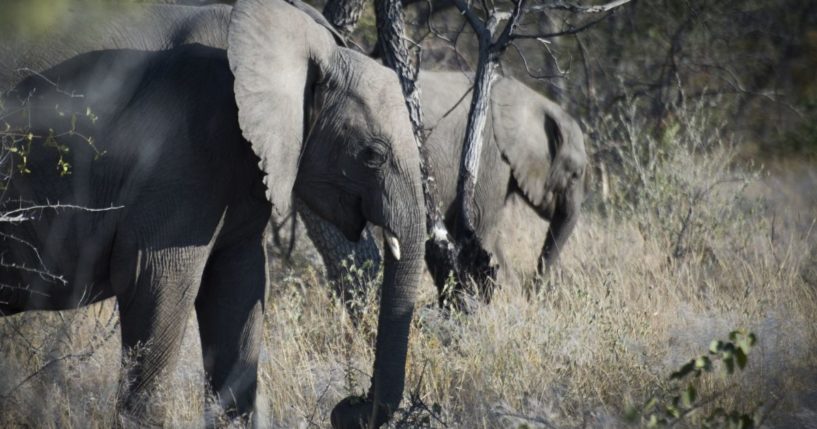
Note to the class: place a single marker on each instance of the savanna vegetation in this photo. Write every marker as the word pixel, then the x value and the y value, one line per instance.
pixel 699 220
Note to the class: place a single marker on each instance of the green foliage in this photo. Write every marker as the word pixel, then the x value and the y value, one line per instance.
pixel 725 357
pixel 17 139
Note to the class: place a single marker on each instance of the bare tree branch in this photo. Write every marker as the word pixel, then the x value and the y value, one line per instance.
pixel 575 8
pixel 568 32
pixel 22 214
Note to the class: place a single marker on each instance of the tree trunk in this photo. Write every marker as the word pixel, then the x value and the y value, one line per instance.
pixel 344 14
pixel 472 147
pixel 556 84
pixel 395 55
pixel 474 261
pixel 441 253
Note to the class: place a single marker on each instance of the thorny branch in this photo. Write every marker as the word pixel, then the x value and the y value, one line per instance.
pixel 22 214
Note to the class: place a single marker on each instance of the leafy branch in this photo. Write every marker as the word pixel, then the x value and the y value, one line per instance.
pixel 725 356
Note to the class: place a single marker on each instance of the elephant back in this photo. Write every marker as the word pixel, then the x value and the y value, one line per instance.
pixel 79 31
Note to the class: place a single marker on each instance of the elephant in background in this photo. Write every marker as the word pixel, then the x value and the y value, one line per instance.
pixel 205 120
pixel 529 190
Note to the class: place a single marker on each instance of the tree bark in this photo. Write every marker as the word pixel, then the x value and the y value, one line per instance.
pixel 395 55
pixel 344 14
pixel 394 52
pixel 441 253
pixel 474 261
pixel 472 147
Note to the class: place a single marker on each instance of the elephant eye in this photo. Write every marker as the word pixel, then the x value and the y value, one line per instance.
pixel 373 155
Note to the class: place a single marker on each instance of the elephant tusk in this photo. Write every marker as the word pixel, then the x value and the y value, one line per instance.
pixel 393 243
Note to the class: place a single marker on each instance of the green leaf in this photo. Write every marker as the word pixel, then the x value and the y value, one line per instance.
pixel 689 396
pixel 631 414
pixel 746 422
pixel 729 362
pixel 746 342
pixel 741 358
pixel 684 371
pixel 703 363
pixel 650 405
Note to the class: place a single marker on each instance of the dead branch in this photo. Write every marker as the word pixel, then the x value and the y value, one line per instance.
pixel 22 214
pixel 575 8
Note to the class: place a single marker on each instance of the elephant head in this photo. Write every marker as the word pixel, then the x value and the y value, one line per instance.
pixel 332 125
pixel 547 161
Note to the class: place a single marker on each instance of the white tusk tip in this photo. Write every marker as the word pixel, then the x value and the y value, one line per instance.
pixel 392 243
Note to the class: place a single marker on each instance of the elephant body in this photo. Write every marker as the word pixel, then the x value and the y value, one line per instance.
pixel 182 207
pixel 531 165
pixel 181 134
pixel 529 189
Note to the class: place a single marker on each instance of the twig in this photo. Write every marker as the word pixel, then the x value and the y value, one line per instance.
pixel 71 94
pixel 570 31
pixel 18 215
pixel 575 8
pixel 79 356
pixel 25 243
pixel 42 273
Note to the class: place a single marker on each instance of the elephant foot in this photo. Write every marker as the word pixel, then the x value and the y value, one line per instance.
pixel 354 412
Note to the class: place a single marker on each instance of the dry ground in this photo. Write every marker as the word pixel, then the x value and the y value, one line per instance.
pixel 627 307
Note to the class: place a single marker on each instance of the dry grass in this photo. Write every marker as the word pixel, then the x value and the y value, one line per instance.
pixel 627 306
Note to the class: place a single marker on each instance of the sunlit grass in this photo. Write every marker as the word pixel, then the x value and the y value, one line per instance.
pixel 623 310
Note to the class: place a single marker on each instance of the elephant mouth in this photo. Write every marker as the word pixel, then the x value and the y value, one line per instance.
pixel 352 206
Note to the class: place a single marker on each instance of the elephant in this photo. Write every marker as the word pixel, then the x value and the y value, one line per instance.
pixel 529 190
pixel 185 129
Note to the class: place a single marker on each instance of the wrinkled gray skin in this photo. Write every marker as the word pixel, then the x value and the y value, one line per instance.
pixel 529 190
pixel 174 112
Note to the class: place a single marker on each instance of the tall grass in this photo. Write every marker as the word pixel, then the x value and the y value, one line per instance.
pixel 686 246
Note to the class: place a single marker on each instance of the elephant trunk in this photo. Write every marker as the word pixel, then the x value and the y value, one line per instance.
pixel 563 214
pixel 404 233
pixel 400 278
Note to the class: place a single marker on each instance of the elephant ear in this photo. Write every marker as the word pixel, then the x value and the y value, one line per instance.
pixel 526 135
pixel 276 54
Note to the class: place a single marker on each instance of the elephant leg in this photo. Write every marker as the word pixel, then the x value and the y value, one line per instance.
pixel 153 313
pixel 229 309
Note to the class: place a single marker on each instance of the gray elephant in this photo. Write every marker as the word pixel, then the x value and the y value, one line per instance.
pixel 166 162
pixel 529 190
